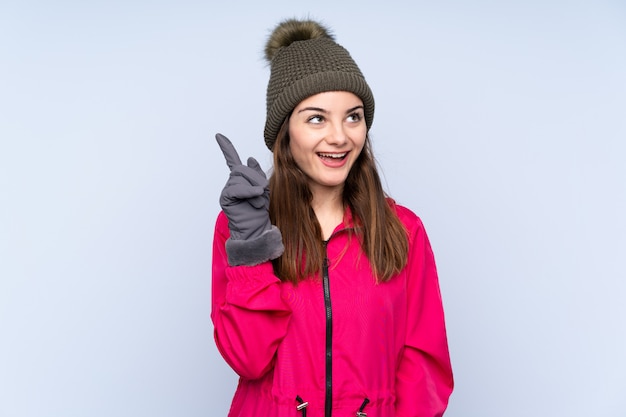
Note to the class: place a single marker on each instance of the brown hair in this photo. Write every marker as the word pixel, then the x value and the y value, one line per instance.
pixel 380 232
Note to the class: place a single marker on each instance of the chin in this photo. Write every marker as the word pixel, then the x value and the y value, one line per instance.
pixel 333 184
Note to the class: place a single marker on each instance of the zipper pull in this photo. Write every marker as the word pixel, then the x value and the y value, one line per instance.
pixel 361 413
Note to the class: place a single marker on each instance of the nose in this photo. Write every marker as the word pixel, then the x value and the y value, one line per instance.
pixel 337 134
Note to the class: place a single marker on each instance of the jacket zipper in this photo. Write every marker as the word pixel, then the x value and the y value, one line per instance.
pixel 329 335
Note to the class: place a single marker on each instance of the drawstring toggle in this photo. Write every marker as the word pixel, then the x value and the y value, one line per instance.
pixel 361 413
pixel 302 405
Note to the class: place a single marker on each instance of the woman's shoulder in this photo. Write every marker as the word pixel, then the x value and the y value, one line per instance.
pixel 407 216
pixel 221 224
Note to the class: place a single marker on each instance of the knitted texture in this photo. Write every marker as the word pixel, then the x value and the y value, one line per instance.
pixel 308 67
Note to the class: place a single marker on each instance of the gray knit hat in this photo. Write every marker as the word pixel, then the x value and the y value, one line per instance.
pixel 305 60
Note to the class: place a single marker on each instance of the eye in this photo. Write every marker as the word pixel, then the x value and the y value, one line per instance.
pixel 355 117
pixel 317 119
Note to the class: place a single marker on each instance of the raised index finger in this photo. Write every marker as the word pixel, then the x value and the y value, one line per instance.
pixel 230 154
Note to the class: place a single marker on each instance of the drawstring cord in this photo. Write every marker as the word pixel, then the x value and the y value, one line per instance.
pixel 302 405
pixel 361 413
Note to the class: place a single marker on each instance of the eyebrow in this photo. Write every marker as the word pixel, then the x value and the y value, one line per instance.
pixel 321 110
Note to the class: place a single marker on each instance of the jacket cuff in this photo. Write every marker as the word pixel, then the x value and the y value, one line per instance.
pixel 255 251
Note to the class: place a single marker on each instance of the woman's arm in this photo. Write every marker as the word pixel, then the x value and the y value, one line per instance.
pixel 424 379
pixel 249 316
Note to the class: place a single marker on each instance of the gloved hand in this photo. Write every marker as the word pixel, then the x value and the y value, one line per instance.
pixel 245 201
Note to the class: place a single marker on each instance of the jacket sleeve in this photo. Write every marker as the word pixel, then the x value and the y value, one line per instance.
pixel 249 316
pixel 424 379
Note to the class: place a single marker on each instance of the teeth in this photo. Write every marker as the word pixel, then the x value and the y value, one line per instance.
pixel 332 155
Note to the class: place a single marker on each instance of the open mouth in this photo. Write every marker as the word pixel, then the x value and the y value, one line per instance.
pixel 333 156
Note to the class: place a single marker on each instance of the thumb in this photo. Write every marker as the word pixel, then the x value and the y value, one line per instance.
pixel 254 164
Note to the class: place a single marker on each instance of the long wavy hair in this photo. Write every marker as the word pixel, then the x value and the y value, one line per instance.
pixel 381 234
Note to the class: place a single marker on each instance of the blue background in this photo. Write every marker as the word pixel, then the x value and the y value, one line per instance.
pixel 502 124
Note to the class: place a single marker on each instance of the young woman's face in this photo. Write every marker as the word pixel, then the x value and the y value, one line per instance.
pixel 327 133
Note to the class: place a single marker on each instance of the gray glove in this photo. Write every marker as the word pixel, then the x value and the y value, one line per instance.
pixel 245 201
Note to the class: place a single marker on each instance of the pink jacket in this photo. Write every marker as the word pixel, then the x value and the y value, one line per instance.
pixel 334 342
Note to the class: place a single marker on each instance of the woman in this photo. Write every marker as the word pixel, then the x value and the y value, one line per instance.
pixel 325 294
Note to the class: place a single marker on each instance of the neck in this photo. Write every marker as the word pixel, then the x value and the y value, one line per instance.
pixel 328 208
